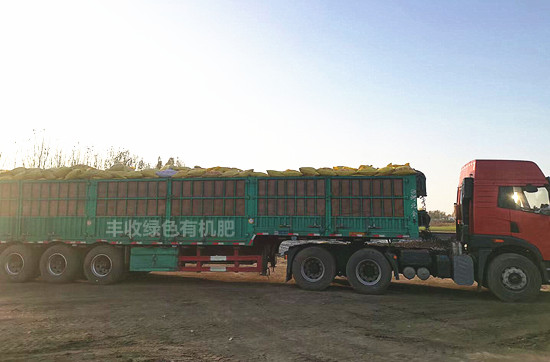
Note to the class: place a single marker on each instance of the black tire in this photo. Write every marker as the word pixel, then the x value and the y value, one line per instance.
pixel 18 263
pixel 314 268
pixel 104 264
pixel 60 264
pixel 368 271
pixel 513 278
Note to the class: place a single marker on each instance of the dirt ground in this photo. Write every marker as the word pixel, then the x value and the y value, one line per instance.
pixel 242 317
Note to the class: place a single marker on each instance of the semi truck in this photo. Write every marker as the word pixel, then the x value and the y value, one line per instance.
pixel 364 228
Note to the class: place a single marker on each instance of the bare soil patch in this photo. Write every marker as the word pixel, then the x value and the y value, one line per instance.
pixel 244 317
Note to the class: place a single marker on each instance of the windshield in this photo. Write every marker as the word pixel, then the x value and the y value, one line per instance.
pixel 519 198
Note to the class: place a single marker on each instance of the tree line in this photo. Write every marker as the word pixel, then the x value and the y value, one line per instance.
pixel 40 153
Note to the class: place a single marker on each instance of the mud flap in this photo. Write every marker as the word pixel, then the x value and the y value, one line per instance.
pixel 290 255
pixel 463 270
pixel 392 259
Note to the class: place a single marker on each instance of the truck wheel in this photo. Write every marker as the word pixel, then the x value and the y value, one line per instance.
pixel 60 264
pixel 368 271
pixel 513 278
pixel 18 264
pixel 313 268
pixel 104 264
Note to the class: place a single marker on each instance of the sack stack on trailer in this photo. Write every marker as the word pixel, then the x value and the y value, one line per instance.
pixel 120 171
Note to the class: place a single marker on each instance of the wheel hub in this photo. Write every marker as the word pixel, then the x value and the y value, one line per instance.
pixel 101 265
pixel 368 272
pixel 514 278
pixel 57 263
pixel 14 264
pixel 312 269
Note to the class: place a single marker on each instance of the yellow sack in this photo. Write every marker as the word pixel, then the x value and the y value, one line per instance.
pixel 6 176
pixel 212 174
pixel 231 173
pixel 81 167
pixel 182 168
pixel 367 173
pixel 34 174
pixel 20 174
pixel 98 174
pixel 245 173
pixel 326 171
pixel 134 174
pixel 196 172
pixel 396 166
pixel 219 169
pixel 60 172
pixel 75 174
pixel 92 173
pixel 291 173
pixel 404 170
pixel 367 170
pixel 17 170
pixel 86 174
pixel 309 171
pixel 180 174
pixel 385 171
pixel 120 167
pixel 366 167
pixel 116 174
pixel 48 175
pixel 273 173
pixel 340 168
pixel 258 174
pixel 345 172
pixel 149 173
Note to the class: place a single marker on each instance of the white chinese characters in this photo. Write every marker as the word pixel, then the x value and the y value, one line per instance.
pixel 170 228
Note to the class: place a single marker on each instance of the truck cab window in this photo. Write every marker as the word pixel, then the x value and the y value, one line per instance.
pixel 518 198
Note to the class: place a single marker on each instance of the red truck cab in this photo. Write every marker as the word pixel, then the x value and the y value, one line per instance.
pixel 503 217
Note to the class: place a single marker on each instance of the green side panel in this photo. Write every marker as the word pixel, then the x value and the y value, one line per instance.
pixel 153 259
pixel 338 206
pixel 8 228
pixel 212 210
pixel 10 200
pixel 168 211
pixel 130 211
pixel 381 206
pixel 34 211
pixel 53 228
pixel 291 205
pixel 218 211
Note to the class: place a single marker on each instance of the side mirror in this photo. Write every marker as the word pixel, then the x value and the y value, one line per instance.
pixel 467 188
pixel 530 189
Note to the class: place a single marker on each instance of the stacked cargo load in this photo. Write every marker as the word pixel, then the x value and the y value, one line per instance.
pixel 122 208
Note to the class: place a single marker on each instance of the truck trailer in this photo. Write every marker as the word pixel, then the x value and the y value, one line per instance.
pixel 364 228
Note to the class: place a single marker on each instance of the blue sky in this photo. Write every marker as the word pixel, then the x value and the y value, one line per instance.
pixel 283 84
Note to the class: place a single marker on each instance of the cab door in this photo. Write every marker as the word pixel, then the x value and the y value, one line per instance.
pixel 530 219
